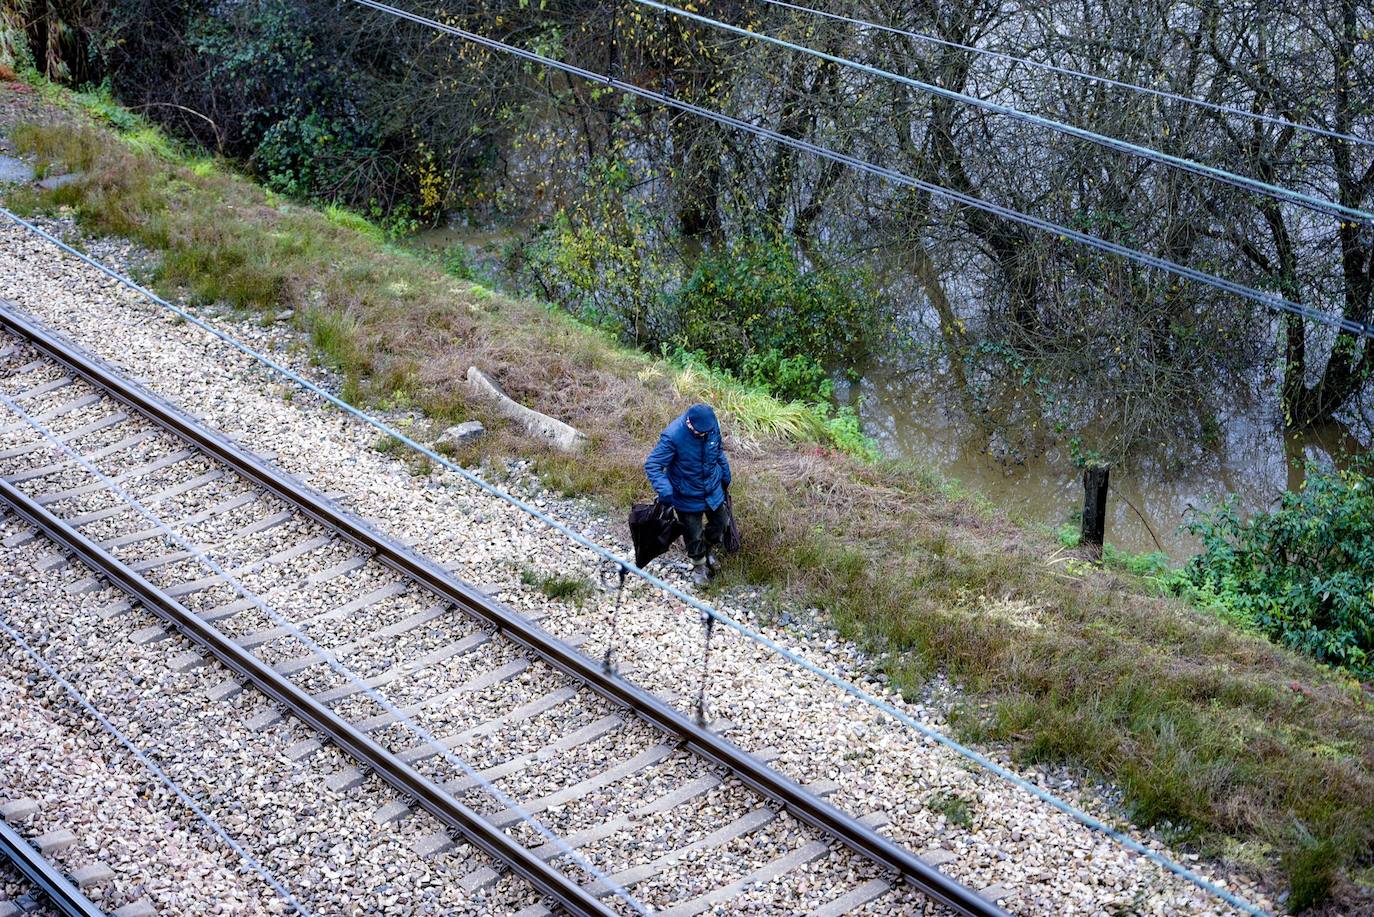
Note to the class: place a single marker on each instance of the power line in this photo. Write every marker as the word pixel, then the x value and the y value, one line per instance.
pixel 142 757
pixel 1243 182
pixel 1268 300
pixel 1068 71
pixel 667 588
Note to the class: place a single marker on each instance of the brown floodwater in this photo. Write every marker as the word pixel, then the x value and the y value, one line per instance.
pixel 1152 493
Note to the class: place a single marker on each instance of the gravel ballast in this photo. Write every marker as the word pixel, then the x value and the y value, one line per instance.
pixel 997 835
pixel 84 782
pixel 326 848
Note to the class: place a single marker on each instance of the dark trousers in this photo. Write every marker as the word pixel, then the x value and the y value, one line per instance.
pixel 703 530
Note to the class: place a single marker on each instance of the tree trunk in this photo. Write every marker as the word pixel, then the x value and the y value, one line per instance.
pixel 1350 367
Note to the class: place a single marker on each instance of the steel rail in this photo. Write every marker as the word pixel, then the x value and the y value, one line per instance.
pixel 432 797
pixel 401 776
pixel 65 896
pixel 783 791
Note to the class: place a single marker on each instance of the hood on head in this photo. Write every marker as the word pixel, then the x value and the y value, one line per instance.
pixel 703 418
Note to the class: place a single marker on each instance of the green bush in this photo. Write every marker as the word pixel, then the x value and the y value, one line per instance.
pixel 283 93
pixel 796 378
pixel 752 309
pixel 299 155
pixel 1153 564
pixel 749 309
pixel 14 43
pixel 458 263
pixel 845 431
pixel 1302 573
pixel 605 270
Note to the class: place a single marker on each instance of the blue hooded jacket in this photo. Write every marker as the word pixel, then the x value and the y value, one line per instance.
pixel 687 470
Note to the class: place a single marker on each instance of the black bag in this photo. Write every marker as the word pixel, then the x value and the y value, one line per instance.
pixel 731 540
pixel 653 529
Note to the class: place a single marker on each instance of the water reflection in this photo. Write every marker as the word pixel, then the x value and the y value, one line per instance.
pixel 1153 492
pixel 927 418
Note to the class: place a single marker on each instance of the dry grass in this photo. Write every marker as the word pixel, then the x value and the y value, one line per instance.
pixel 1239 746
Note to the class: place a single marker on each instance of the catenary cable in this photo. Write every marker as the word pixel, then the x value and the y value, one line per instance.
pixel 325 655
pixel 152 766
pixel 667 588
pixel 1269 300
pixel 1243 182
pixel 1228 110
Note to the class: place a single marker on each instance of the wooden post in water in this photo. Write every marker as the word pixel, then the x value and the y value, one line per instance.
pixel 1094 508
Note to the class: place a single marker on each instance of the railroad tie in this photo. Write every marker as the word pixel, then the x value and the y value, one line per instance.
pixel 808 852
pixel 386 618
pixel 24 811
pixel 869 891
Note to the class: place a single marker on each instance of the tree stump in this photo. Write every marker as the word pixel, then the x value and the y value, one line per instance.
pixel 1094 509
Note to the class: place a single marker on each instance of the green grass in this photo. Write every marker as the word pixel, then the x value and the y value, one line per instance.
pixel 956 810
pixel 388 445
pixel 1151 564
pixel 753 412
pixel 356 222
pixel 335 336
pixel 1235 746
pixel 71 151
pixel 558 587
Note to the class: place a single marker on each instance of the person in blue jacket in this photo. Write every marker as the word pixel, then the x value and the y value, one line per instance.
pixel 688 470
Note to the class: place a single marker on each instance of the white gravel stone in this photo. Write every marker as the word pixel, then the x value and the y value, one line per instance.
pixel 1046 862
pixel 461 434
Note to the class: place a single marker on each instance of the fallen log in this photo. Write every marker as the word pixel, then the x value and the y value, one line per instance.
pixel 541 426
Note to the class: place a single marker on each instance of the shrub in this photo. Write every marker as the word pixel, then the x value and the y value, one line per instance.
pixel 752 308
pixel 458 263
pixel 796 378
pixel 14 46
pixel 603 270
pixel 280 91
pixel 748 311
pixel 847 434
pixel 302 154
pixel 1303 573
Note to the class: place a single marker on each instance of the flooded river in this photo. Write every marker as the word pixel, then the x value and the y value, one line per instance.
pixel 1152 493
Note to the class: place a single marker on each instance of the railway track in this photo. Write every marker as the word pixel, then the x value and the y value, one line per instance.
pixel 47 881
pixel 470 711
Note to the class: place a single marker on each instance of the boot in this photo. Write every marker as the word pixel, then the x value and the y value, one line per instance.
pixel 701 573
pixel 712 566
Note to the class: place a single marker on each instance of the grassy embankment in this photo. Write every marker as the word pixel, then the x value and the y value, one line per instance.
pixel 1244 749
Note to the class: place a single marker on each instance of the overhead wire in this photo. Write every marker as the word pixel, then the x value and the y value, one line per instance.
pixel 1268 300
pixel 1228 110
pixel 1243 182
pixel 650 579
